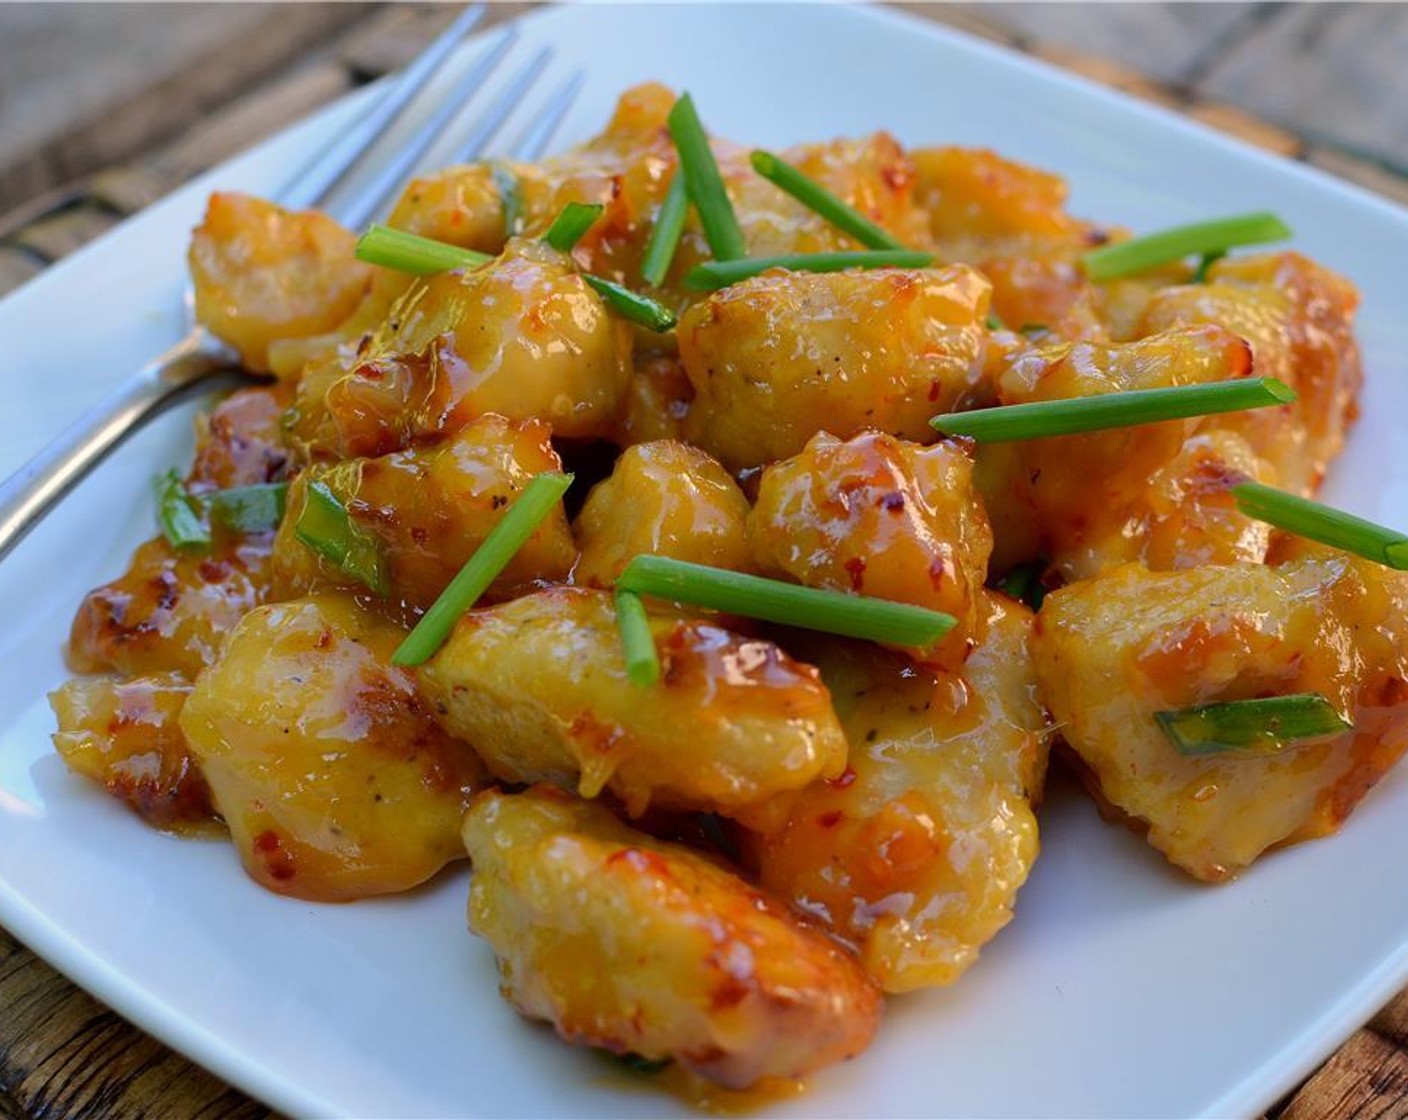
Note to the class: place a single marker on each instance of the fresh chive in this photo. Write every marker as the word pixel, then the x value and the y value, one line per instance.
pixel 518 523
pixel 1140 254
pixel 642 660
pixel 569 226
pixel 665 234
pixel 817 198
pixel 247 509
pixel 647 1066
pixel 1040 419
pixel 325 526
pixel 510 196
pixel 704 183
pixel 771 600
pixel 632 305
pixel 409 252
pixel 994 322
pixel 711 275
pixel 1323 523
pixel 1024 584
pixel 179 515
pixel 1267 724
pixel 1200 274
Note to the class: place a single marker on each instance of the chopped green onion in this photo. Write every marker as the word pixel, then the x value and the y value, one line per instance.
pixel 1323 523
pixel 1024 584
pixel 833 612
pixel 642 660
pixel 665 234
pixel 995 322
pixel 1200 274
pixel 1264 725
pixel 817 198
pixel 569 226
pixel 325 526
pixel 704 183
pixel 632 305
pixel 518 523
pixel 247 509
pixel 179 514
pixel 409 252
pixel 1140 254
pixel 647 1066
pixel 712 275
pixel 510 196
pixel 1041 419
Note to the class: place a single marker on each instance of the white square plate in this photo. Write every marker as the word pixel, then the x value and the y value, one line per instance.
pixel 1120 990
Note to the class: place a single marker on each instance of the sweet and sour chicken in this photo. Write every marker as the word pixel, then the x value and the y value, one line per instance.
pixel 370 642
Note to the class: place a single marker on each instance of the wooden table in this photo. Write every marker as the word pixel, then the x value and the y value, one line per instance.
pixel 64 1056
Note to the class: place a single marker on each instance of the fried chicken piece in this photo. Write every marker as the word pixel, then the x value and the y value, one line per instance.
pixel 916 853
pixel 780 357
pixel 539 687
pixel 627 943
pixel 1113 651
pixel 125 735
pixel 322 758
pixel 663 498
pixel 263 273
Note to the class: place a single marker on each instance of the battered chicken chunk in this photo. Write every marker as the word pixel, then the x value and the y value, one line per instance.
pixel 776 359
pixel 523 336
pixel 634 945
pixel 263 273
pixel 916 853
pixel 878 516
pixel 1299 320
pixel 430 510
pixel 240 442
pixel 663 498
pixel 321 757
pixel 168 611
pixel 124 735
pixel 1112 651
pixel 1085 502
pixel 539 687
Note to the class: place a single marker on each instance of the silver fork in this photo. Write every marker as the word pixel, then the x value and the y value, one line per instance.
pixel 354 179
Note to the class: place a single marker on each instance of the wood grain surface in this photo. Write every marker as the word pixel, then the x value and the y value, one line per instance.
pixel 63 1055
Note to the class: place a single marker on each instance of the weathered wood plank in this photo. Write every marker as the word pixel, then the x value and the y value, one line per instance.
pixel 61 234
pixel 1367 1079
pixel 1325 70
pixel 394 37
pixel 17 266
pixel 189 84
pixel 65 1056
pixel 1164 41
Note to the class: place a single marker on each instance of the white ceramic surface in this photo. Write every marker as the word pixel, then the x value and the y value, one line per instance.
pixel 1120 989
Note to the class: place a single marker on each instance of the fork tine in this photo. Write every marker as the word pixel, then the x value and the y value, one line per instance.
pixel 486 126
pixel 328 170
pixel 534 140
pixel 390 160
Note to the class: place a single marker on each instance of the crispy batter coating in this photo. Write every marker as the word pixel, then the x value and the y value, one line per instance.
pixel 668 499
pixel 776 359
pixel 241 441
pixel 539 687
pixel 322 758
pixel 263 273
pixel 1298 318
pixel 124 735
pixel 915 855
pixel 1112 651
pixel 1085 502
pixel 634 945
pixel 168 611
pixel 878 516
pixel 523 336
pixel 430 510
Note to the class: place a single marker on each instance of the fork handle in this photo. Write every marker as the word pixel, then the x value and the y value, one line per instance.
pixel 196 364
